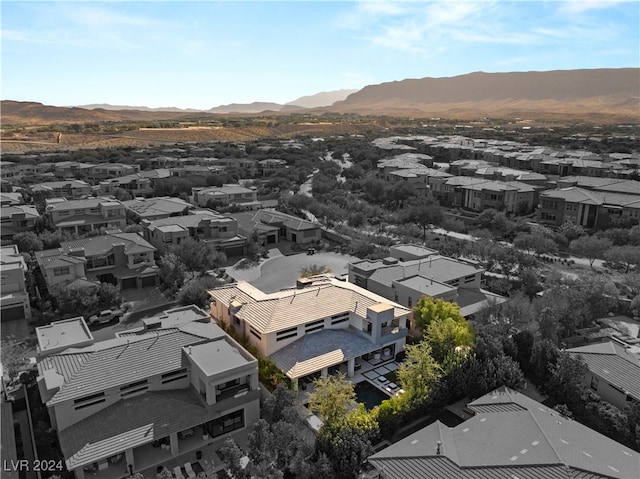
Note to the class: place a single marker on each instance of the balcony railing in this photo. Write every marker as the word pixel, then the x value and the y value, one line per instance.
pixel 222 394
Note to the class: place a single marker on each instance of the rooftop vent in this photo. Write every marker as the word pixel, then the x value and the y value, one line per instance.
pixel 303 282
pixel 389 260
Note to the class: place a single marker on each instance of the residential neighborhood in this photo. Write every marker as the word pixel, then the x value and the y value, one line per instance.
pixel 395 306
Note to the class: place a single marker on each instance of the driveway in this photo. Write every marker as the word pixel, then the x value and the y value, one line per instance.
pixel 280 272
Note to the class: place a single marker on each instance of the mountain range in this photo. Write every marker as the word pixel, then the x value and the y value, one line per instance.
pixel 589 95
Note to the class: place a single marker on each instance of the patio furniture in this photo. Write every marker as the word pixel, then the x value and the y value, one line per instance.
pixel 185 433
pixel 189 469
pixel 178 473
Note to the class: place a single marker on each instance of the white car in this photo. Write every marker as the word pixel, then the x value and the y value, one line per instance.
pixel 105 316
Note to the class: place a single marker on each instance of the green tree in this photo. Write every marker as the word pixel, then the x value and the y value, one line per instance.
pixel 544 357
pixel 447 336
pixel 429 309
pixel 418 373
pixel 87 301
pixel 332 398
pixel 590 247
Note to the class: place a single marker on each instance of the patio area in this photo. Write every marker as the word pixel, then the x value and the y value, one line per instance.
pixel 190 447
pixel 371 370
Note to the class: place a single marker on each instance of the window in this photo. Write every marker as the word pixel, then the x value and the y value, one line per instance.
pixel 226 424
pixel 255 333
pixel 410 301
pixel 339 318
pixel 62 271
pixel 286 334
pixel 470 279
pixel 133 388
pixel 594 383
pixel 174 376
pixel 89 400
pixel 314 326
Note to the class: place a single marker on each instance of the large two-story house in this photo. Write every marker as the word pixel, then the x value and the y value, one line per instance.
pixel 226 195
pixel 129 404
pixel 413 271
pixel 321 323
pixel 91 214
pixel 64 189
pixel 125 259
pixel 14 299
pixel 17 219
pixel 201 225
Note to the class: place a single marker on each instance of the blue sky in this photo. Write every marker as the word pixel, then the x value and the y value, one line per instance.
pixel 204 54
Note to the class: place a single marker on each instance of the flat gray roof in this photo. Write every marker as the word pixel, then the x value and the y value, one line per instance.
pixel 62 334
pixel 216 357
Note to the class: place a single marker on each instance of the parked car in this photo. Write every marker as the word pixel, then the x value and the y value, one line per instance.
pixel 105 316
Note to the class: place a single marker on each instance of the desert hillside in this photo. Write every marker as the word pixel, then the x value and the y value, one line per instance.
pixel 607 92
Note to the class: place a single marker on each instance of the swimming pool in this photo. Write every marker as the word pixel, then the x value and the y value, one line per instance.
pixel 368 394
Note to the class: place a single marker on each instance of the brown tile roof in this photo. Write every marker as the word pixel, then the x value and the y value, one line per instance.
pixel 327 296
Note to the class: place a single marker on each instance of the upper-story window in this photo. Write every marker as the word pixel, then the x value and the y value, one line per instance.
pixel 63 270
pixel 89 400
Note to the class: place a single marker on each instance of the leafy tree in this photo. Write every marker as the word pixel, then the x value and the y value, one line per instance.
pixel 87 301
pixel 347 451
pixel 447 335
pixel 565 381
pixel 626 255
pixel 422 211
pixel 418 373
pixel 171 272
pixel 429 309
pixel 571 231
pixel 331 399
pixel 590 247
pixel 548 325
pixel 231 455
pixel 535 243
pixel 13 354
pixel 196 292
pixel 198 255
pixel 27 242
pixel 544 356
pixel 275 406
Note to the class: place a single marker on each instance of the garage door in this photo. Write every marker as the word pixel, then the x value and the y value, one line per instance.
pixel 128 283
pixel 148 281
pixel 234 251
pixel 12 312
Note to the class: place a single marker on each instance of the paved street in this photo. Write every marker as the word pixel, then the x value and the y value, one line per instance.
pixel 280 272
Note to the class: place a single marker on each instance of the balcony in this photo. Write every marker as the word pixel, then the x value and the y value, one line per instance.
pixel 239 390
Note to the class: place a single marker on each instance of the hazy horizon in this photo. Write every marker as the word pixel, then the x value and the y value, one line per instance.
pixel 205 54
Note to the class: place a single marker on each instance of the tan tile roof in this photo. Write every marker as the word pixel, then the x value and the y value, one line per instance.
pixel 284 309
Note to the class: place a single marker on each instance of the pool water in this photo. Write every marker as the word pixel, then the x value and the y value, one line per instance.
pixel 368 394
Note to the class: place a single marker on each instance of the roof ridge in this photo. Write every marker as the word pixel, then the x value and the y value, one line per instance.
pixel 544 434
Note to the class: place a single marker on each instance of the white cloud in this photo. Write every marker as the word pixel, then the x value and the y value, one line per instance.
pixel 581 6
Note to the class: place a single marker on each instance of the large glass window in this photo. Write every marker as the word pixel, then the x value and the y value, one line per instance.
pixel 225 424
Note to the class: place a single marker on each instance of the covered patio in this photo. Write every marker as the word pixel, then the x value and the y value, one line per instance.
pixel 142 433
